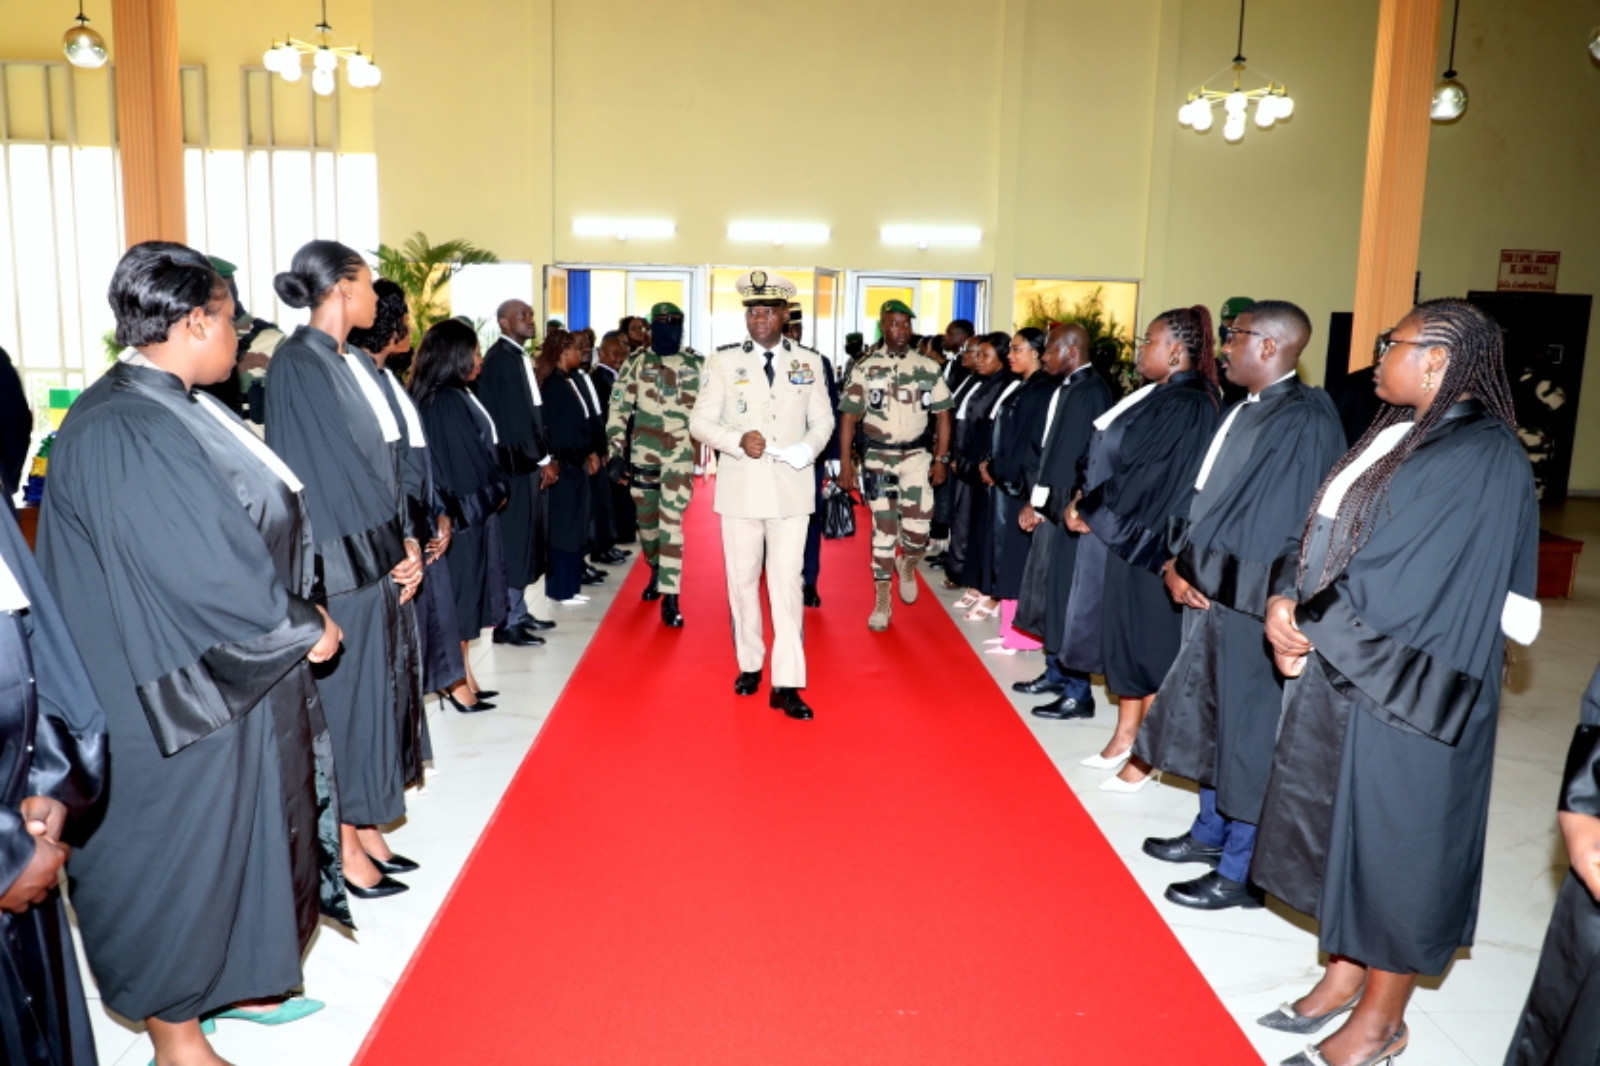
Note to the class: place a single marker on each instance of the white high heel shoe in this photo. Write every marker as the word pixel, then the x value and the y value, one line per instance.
pixel 1117 784
pixel 1100 762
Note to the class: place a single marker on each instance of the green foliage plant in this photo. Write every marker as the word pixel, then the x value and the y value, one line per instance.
pixel 1110 343
pixel 423 270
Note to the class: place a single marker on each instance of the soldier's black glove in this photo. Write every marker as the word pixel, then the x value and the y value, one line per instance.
pixel 617 470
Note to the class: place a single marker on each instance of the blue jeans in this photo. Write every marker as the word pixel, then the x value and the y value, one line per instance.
pixel 1075 686
pixel 1236 839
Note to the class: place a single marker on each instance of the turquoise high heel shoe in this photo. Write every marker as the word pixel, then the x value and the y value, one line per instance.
pixel 290 1010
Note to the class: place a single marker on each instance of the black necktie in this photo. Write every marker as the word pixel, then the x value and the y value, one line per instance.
pixel 771 377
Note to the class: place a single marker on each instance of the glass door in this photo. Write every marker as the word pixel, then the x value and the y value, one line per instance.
pixel 555 297
pixel 822 332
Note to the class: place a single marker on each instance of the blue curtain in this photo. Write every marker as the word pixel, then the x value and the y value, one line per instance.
pixel 967 300
pixel 578 299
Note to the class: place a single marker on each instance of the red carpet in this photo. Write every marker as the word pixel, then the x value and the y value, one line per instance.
pixel 679 875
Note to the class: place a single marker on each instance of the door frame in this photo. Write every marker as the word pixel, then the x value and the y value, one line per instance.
pixel 857 280
pixel 697 306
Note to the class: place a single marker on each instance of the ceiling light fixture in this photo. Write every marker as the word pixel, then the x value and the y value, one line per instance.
pixel 624 228
pixel 287 61
pixel 1273 102
pixel 84 47
pixel 1449 96
pixel 924 236
pixel 1594 45
pixel 779 233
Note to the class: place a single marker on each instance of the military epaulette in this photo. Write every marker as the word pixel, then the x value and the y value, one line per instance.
pixel 731 347
pixel 808 348
pixel 690 353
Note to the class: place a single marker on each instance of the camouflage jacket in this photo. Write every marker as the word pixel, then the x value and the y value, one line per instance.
pixel 652 398
pixel 894 396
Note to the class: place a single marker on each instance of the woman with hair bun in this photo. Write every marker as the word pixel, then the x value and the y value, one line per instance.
pixel 464 451
pixel 179 550
pixel 1019 422
pixel 328 419
pixel 1138 476
pixel 566 419
pixel 973 447
pixel 1419 558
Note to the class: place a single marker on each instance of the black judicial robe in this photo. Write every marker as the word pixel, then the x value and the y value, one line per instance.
pixel 571 440
pixel 1215 718
pixel 420 503
pixel 52 743
pixel 1018 444
pixel 1374 816
pixel 602 521
pixel 462 450
pixel 1138 477
pixel 624 513
pixel 954 514
pixel 973 510
pixel 16 429
pixel 1560 1024
pixel 1047 577
pixel 503 389
pixel 319 421
pixel 184 569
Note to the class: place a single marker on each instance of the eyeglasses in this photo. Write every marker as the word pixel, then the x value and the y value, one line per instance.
pixel 1386 340
pixel 1227 332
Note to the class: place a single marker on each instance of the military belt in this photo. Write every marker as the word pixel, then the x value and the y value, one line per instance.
pixel 919 444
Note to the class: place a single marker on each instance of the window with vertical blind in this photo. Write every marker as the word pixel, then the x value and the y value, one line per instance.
pixel 61 204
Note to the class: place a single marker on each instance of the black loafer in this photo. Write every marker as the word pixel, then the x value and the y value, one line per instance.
pixel 1061 708
pixel 1039 686
pixel 671 617
pixel 1182 849
pixel 1213 892
pixel 809 595
pixel 394 864
pixel 517 638
pixel 536 625
pixel 386 886
pixel 789 702
pixel 747 683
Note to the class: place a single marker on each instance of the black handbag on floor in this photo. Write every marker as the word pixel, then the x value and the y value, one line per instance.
pixel 838 513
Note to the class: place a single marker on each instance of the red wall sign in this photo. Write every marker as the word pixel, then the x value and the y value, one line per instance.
pixel 1525 271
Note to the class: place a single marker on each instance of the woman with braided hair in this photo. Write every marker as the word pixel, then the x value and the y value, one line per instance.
pixel 1138 476
pixel 1419 557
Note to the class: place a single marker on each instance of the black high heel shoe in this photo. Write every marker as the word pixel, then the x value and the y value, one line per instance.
pixel 481 705
pixel 486 693
pixel 394 864
pixel 386 886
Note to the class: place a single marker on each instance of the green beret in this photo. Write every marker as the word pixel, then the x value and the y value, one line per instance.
pixel 896 307
pixel 663 309
pixel 858 338
pixel 222 266
pixel 1235 306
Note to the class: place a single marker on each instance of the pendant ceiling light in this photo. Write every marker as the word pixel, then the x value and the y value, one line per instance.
pixel 1273 102
pixel 1450 96
pixel 287 61
pixel 83 46
pixel 1594 44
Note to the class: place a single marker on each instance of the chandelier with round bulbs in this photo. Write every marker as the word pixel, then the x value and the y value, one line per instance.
pixel 1272 101
pixel 83 46
pixel 287 60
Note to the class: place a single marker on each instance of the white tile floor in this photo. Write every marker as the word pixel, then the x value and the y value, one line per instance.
pixel 1254 959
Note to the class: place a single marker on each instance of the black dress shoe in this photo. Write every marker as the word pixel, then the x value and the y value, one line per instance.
pixel 789 702
pixel 394 864
pixel 809 595
pixel 1039 685
pixel 935 562
pixel 386 886
pixel 1182 849
pixel 517 638
pixel 466 708
pixel 670 615
pixel 592 577
pixel 609 557
pixel 1062 708
pixel 536 625
pixel 1213 892
pixel 652 591
pixel 747 683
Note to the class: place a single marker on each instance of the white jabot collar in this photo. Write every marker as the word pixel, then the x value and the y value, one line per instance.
pixel 12 598
pixel 252 443
pixel 371 393
pixel 1384 443
pixel 1124 405
pixel 408 411
pixel 494 432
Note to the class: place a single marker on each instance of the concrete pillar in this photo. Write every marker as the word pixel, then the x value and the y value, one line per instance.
pixel 149 119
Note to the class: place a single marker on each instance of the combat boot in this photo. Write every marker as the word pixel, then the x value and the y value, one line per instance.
pixel 878 621
pixel 670 615
pixel 907 567
pixel 652 591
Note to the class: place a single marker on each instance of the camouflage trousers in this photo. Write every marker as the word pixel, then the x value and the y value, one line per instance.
pixel 661 522
pixel 901 505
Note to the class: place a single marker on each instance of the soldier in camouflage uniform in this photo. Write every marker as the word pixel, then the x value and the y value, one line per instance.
pixel 653 396
pixel 891 392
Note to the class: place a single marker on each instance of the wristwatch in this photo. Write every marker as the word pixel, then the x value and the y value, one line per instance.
pixel 943 460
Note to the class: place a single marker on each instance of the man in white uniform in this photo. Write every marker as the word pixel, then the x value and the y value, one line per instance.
pixel 763 405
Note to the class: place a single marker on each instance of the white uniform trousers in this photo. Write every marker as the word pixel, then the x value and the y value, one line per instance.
pixel 781 542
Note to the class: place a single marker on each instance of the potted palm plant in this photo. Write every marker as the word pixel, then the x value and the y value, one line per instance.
pixel 423 270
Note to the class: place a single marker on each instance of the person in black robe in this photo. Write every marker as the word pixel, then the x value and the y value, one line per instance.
pixel 953 554
pixel 16 429
pixel 601 538
pixel 1137 478
pixel 571 440
pixel 179 550
pixel 1560 1023
pixel 430 614
pixel 52 770
pixel 1215 718
pixel 463 449
pixel 1013 469
pixel 1419 558
pixel 972 531
pixel 1082 396
pixel 624 513
pixel 508 391
pixel 327 418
